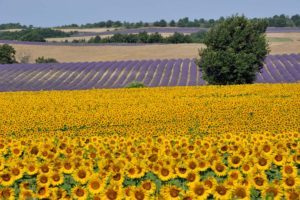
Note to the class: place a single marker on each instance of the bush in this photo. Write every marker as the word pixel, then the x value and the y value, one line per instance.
pixel 235 51
pixel 7 54
pixel 135 85
pixel 45 60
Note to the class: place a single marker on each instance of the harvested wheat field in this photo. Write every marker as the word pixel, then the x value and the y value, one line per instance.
pixel 131 52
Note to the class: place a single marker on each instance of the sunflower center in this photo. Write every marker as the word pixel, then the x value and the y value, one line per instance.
pixel 147 186
pixel 6 193
pixel 278 157
pixel 234 175
pixel 31 168
pixel 290 181
pixel 266 148
pixel 153 158
pixel 201 164
pixel 293 195
pixel 221 190
pixel 81 174
pixel 16 151
pixel 192 165
pixel 220 167
pixel 236 160
pixel 182 170
pixel 79 192
pixel 45 168
pixel 174 192
pixel 262 162
pixel 111 194
pixel 288 170
pixel 208 183
pixel 95 185
pixel 191 177
pixel 240 193
pixel 6 177
pixel 56 177
pixel 259 181
pixel 199 190
pixel 67 166
pixel 246 167
pixel 15 171
pixel 272 191
pixel 139 195
pixel 131 171
pixel 117 177
pixel 44 179
pixel 165 172
pixel 42 191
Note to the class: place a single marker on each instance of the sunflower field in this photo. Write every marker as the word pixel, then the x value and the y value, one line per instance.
pixel 212 142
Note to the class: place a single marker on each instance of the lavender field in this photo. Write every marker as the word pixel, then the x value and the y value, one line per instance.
pixel 118 74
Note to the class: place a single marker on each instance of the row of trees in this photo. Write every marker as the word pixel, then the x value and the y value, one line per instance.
pixel 33 34
pixel 275 21
pixel 144 37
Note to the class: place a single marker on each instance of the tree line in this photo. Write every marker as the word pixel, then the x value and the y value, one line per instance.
pixel 33 34
pixel 275 21
pixel 147 38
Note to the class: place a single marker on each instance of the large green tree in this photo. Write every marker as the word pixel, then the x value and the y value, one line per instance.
pixel 7 54
pixel 235 51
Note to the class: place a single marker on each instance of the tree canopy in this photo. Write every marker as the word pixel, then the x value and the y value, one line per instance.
pixel 7 54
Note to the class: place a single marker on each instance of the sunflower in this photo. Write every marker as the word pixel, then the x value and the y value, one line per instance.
pixel 79 192
pixel 266 148
pixel 81 175
pixel 31 168
pixel 219 168
pixel 43 192
pixel 263 163
pixel 26 194
pixel 7 193
pixel 17 172
pixel 192 164
pixel 181 170
pixel 138 194
pixel 6 179
pixel 272 191
pixel 199 190
pixel 192 177
pixel 56 178
pixel 235 161
pixel 59 193
pixel 148 186
pixel 259 181
pixel 170 192
pixel 279 159
pixel 290 182
pixel 209 183
pixel 67 167
pixel 112 192
pixel 203 165
pixel 241 192
pixel 117 177
pixel 135 171
pixel 246 168
pixel 16 151
pixel 2 163
pixel 45 168
pixel 289 170
pixel 234 175
pixel 95 185
pixel 165 173
pixel 292 195
pixel 222 191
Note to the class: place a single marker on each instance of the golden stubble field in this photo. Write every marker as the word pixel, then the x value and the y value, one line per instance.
pixel 106 53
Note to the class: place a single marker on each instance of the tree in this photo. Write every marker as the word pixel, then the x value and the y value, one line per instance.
pixel 235 51
pixel 45 60
pixel 7 54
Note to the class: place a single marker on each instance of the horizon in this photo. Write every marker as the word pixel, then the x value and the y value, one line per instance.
pixel 41 12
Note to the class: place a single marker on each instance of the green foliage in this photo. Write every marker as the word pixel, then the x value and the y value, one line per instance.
pixel 45 60
pixel 36 34
pixel 235 51
pixel 12 26
pixel 135 85
pixel 7 54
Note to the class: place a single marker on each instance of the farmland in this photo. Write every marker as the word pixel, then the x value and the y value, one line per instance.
pixel 116 74
pixel 133 144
